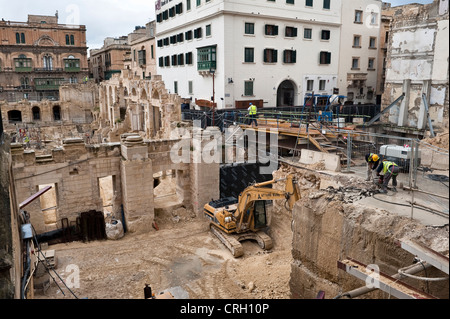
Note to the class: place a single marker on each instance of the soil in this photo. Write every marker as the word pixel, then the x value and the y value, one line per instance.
pixel 182 257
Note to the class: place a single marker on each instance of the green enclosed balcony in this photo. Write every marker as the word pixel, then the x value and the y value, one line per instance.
pixel 206 58
pixel 47 84
pixel 23 65
pixel 72 65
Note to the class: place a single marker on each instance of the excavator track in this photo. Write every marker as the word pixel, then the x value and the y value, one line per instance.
pixel 232 242
pixel 229 241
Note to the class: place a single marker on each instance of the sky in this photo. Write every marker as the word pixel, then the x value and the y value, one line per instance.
pixel 103 18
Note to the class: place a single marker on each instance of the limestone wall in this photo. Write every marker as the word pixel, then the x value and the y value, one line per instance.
pixel 328 228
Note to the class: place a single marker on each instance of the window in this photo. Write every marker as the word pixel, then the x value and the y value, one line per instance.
pixel 271 29
pixel 374 18
pixel 291 32
pixel 198 33
pixel 172 12
pixel 179 8
pixel 355 63
pixel 188 5
pixel 206 58
pixel 249 28
pixel 372 43
pixel 208 30
pixel 289 56
pixel 180 59
pixel 199 2
pixel 142 57
pixel 160 43
pixel 248 88
pixel 249 55
pixel 173 39
pixel 20 38
pixel 270 56
pixel 357 41
pixel 167 61
pixel 188 35
pixel 310 85
pixel 180 37
pixel 188 57
pixel 152 51
pixel 191 87
pixel 325 57
pixel 25 83
pixel 322 85
pixel 309 3
pixel 290 1
pixel 175 87
pixel 72 39
pixel 67 39
pixel 326 4
pixel 47 62
pixel 358 16
pixel 166 41
pixel 325 35
pixel 307 34
pixel 371 64
pixel 174 60
pixel 161 62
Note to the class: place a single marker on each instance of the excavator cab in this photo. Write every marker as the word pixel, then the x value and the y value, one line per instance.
pixel 259 214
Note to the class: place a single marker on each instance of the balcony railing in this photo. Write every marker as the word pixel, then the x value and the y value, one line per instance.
pixel 206 65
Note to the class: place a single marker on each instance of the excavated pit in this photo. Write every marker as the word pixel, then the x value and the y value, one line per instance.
pixel 336 220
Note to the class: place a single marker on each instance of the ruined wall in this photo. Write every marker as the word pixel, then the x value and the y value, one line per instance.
pixel 74 171
pixel 417 63
pixel 129 104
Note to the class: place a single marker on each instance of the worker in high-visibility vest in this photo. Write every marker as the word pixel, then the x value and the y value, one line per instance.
pixel 389 170
pixel 373 160
pixel 252 112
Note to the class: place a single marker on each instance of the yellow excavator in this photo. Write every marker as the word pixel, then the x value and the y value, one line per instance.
pixel 233 221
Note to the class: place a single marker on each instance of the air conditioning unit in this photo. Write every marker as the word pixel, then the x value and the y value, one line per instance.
pixel 399 154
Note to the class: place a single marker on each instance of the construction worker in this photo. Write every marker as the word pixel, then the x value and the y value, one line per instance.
pixel 390 170
pixel 373 160
pixel 252 112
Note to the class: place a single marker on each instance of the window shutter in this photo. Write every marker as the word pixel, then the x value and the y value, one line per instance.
pixel 265 55
pixel 294 32
pixel 275 56
pixel 266 29
pixel 294 56
pixel 285 53
pixel 328 58
pixel 275 30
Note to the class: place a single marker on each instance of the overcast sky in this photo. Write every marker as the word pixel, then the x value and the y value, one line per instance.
pixel 103 18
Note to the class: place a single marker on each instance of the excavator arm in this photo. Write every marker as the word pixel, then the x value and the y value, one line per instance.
pixel 259 192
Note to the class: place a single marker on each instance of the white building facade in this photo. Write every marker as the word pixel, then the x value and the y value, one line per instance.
pixel 232 52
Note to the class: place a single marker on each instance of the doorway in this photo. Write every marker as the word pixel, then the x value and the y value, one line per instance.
pixel 286 94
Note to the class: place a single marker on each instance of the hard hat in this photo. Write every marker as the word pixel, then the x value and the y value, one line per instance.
pixel 251 103
pixel 375 157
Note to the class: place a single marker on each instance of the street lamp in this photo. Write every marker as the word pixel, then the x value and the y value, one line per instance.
pixel 213 72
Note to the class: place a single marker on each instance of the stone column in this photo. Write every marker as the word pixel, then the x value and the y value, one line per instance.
pixel 205 176
pixel 404 107
pixel 137 185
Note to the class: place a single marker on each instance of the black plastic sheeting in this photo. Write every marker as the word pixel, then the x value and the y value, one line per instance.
pixel 237 177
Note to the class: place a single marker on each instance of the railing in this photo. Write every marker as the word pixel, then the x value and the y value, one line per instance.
pixel 48 70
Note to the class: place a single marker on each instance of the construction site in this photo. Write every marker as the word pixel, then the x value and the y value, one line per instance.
pixel 118 192
pixel 132 203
